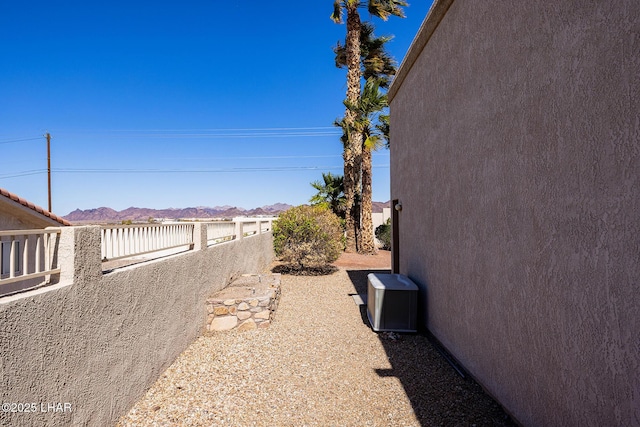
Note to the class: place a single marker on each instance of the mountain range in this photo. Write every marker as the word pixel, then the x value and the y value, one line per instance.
pixel 105 214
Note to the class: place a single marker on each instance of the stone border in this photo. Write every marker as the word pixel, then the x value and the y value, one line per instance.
pixel 244 313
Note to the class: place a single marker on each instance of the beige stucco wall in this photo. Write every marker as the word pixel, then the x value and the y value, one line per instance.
pixel 99 341
pixel 516 156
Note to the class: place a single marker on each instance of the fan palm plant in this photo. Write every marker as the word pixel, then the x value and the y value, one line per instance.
pixel 371 124
pixel 330 193
pixel 375 61
pixel 352 154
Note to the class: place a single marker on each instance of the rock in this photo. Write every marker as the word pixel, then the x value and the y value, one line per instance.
pixel 265 314
pixel 243 306
pixel 243 315
pixel 229 302
pixel 264 324
pixel 221 311
pixel 223 323
pixel 233 310
pixel 247 325
pixel 253 303
pixel 209 308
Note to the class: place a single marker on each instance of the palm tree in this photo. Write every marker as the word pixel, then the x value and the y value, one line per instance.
pixel 352 148
pixel 375 61
pixel 330 193
pixel 367 111
pixel 352 154
pixel 376 66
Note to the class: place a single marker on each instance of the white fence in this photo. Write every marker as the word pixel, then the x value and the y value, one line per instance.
pixel 250 227
pixel 218 232
pixel 123 241
pixel 28 254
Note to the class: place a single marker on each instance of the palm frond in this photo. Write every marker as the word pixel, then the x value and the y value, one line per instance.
pixel 383 128
pixel 383 9
pixel 340 51
pixel 342 124
pixel 330 193
pixel 373 142
pixel 336 15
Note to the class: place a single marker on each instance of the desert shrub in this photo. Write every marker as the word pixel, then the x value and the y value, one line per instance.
pixel 383 234
pixel 307 238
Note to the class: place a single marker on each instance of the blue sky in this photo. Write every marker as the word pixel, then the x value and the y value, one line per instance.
pixel 176 104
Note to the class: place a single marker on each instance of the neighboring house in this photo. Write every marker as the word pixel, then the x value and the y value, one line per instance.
pixel 17 213
pixel 515 160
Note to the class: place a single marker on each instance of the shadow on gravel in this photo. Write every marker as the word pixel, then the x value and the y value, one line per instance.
pixel 321 271
pixel 440 396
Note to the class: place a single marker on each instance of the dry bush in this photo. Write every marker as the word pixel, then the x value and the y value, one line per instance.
pixel 308 238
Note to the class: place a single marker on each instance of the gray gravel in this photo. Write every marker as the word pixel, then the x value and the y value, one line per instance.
pixel 318 364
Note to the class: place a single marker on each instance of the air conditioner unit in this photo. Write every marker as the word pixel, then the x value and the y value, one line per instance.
pixel 392 302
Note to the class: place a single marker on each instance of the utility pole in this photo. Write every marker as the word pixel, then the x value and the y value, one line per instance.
pixel 49 166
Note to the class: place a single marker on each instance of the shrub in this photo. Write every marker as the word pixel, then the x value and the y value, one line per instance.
pixel 307 238
pixel 383 234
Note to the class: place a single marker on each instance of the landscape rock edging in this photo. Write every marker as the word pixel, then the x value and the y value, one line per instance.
pixel 247 303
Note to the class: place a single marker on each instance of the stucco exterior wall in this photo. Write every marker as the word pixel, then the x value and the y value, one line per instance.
pixel 99 341
pixel 516 156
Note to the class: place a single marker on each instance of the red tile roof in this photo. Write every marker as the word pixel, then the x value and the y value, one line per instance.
pixel 32 206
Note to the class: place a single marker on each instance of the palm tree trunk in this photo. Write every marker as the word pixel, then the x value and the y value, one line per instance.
pixel 353 147
pixel 367 242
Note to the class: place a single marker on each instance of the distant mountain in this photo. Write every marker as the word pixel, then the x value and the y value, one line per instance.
pixel 278 207
pixel 92 214
pixel 376 207
pixel 105 214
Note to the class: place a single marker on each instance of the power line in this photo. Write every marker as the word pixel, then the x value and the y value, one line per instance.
pixel 23 173
pixel 180 171
pixel 323 156
pixel 190 171
pixel 10 141
pixel 279 129
pixel 216 135
pixel 232 135
pixel 276 132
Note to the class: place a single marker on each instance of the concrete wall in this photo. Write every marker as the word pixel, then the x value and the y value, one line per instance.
pixel 100 341
pixel 515 130
pixel 379 218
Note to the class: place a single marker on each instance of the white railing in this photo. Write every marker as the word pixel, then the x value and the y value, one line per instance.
pixel 123 241
pixel 266 226
pixel 218 232
pixel 251 226
pixel 28 254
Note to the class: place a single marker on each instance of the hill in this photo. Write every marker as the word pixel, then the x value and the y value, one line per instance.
pixel 105 214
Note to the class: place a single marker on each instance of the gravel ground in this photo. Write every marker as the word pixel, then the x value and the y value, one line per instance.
pixel 318 364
